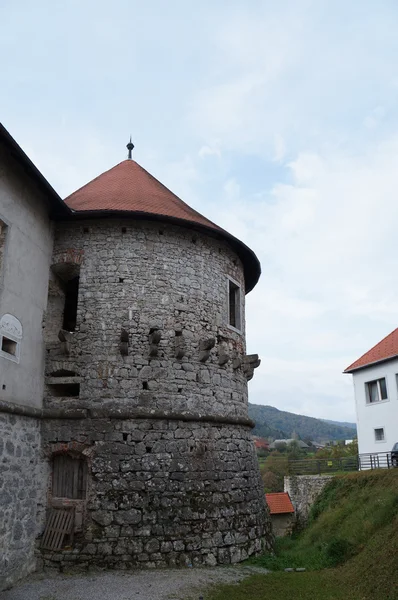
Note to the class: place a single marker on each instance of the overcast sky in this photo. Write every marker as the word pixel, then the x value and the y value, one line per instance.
pixel 278 120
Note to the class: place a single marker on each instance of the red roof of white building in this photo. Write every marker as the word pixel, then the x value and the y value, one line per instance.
pixel 279 503
pixel 384 350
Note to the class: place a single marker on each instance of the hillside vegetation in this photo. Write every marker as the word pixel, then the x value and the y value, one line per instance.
pixel 350 547
pixel 271 422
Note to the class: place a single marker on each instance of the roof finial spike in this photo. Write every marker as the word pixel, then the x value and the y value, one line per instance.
pixel 130 147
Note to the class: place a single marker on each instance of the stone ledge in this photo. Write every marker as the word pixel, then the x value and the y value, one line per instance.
pixel 117 413
pixel 20 409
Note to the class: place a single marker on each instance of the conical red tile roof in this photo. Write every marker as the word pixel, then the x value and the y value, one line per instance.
pixel 129 187
pixel 129 190
pixel 387 348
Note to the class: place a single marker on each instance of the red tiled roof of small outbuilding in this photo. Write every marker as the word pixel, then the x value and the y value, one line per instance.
pixel 387 348
pixel 129 190
pixel 279 503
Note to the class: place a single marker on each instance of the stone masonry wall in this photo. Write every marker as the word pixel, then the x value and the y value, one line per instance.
pixel 303 491
pixel 21 491
pixel 173 475
pixel 143 276
pixel 165 493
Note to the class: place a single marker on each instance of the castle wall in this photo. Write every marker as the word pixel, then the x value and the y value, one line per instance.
pixel 303 491
pixel 23 281
pixel 25 253
pixel 165 493
pixel 22 494
pixel 172 470
pixel 153 276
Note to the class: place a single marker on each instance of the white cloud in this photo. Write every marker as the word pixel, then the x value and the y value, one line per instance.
pixel 279 147
pixel 210 150
pixel 327 243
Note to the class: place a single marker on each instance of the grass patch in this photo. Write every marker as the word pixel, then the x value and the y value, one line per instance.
pixel 322 585
pixel 353 527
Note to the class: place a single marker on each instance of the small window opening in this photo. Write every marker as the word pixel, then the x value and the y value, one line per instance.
pixel 144 385
pixel 125 437
pixel 71 298
pixel 124 230
pixel 160 231
pixel 68 390
pixel 9 346
pixel 179 390
pixel 379 434
pixel 86 230
pixel 121 279
pixel 63 373
pixel 64 388
pixel 4 386
pixel 178 333
pixel 148 449
pixel 69 477
pixel 234 305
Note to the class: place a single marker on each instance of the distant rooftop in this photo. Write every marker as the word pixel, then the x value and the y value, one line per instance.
pixel 288 441
pixel 279 503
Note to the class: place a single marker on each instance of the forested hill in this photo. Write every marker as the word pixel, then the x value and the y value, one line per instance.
pixel 271 422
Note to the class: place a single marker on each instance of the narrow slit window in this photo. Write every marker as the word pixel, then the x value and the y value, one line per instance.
pixel 234 307
pixel 3 233
pixel 70 310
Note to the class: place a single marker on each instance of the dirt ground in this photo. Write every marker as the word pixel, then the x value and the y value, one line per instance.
pixel 173 584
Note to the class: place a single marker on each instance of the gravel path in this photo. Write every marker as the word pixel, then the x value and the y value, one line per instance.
pixel 176 584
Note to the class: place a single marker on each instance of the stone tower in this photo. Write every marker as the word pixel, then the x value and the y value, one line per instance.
pixel 146 434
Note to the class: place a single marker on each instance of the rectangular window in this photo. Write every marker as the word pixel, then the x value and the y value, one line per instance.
pixel 379 434
pixel 376 390
pixel 234 305
pixel 69 477
pixel 9 346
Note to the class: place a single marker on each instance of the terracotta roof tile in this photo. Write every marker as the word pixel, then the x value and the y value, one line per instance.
pixel 387 348
pixel 279 503
pixel 129 187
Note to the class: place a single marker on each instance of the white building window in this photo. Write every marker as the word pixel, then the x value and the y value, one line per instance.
pixel 379 434
pixel 376 391
pixel 234 305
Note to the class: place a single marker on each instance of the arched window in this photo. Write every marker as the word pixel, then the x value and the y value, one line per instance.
pixel 69 477
pixel 10 338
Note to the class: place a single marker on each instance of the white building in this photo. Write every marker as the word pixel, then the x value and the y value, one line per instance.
pixel 375 377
